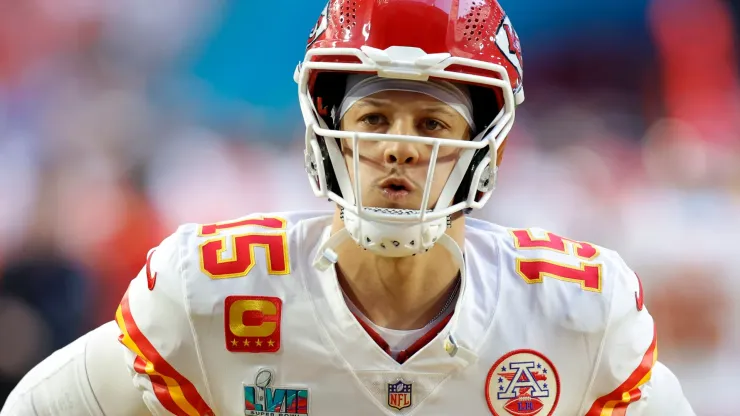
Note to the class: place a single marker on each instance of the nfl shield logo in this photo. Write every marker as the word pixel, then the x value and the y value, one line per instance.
pixel 399 395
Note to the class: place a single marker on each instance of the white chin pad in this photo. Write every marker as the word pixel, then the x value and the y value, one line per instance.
pixel 394 239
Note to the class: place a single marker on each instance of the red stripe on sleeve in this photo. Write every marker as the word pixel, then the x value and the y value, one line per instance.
pixel 161 366
pixel 630 386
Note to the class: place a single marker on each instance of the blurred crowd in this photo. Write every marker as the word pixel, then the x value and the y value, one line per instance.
pixel 121 120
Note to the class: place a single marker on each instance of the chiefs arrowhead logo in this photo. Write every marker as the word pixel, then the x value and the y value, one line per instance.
pixel 151 280
pixel 509 44
pixel 321 25
pixel 515 46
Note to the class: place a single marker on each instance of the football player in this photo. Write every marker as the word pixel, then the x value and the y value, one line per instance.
pixel 395 303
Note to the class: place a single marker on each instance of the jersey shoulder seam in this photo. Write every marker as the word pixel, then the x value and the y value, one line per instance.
pixel 187 310
pixel 600 353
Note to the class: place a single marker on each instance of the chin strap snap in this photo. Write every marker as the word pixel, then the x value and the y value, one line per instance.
pixel 326 256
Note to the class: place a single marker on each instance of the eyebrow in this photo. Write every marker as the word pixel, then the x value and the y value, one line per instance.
pixel 369 101
pixel 443 109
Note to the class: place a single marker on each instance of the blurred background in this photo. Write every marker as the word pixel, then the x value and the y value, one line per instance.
pixel 120 120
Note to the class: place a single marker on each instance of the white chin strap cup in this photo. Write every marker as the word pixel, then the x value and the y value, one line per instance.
pixel 326 256
pixel 387 239
pixel 394 239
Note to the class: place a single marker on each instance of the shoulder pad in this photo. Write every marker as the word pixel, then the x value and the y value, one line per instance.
pixel 575 280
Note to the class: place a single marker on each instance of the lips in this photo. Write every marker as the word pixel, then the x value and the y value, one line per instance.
pixel 397 184
pixel 396 189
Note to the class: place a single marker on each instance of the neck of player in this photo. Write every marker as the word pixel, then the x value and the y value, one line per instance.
pixel 399 293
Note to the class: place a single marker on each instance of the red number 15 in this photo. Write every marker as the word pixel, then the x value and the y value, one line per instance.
pixel 243 256
pixel 588 275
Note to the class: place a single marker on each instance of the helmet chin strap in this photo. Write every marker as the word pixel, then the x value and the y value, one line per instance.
pixel 326 256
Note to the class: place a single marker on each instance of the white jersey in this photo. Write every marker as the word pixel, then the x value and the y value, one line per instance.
pixel 232 318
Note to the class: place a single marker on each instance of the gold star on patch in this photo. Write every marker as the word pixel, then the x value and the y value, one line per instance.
pixel 270 343
pixel 259 343
pixel 234 342
pixel 246 342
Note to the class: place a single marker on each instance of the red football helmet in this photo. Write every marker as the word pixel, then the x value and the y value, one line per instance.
pixel 462 41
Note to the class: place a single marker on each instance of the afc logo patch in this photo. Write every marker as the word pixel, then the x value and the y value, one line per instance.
pixel 522 383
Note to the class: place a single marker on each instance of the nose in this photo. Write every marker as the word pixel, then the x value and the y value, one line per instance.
pixel 397 152
pixel 401 153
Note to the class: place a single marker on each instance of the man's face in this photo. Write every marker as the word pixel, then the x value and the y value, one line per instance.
pixel 393 173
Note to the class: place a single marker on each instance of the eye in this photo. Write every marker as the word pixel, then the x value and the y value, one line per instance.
pixel 432 124
pixel 373 119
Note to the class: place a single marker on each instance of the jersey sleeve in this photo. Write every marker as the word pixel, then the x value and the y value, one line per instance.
pixel 85 378
pixel 628 378
pixel 156 331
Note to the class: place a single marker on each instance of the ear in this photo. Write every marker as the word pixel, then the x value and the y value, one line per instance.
pixel 501 149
